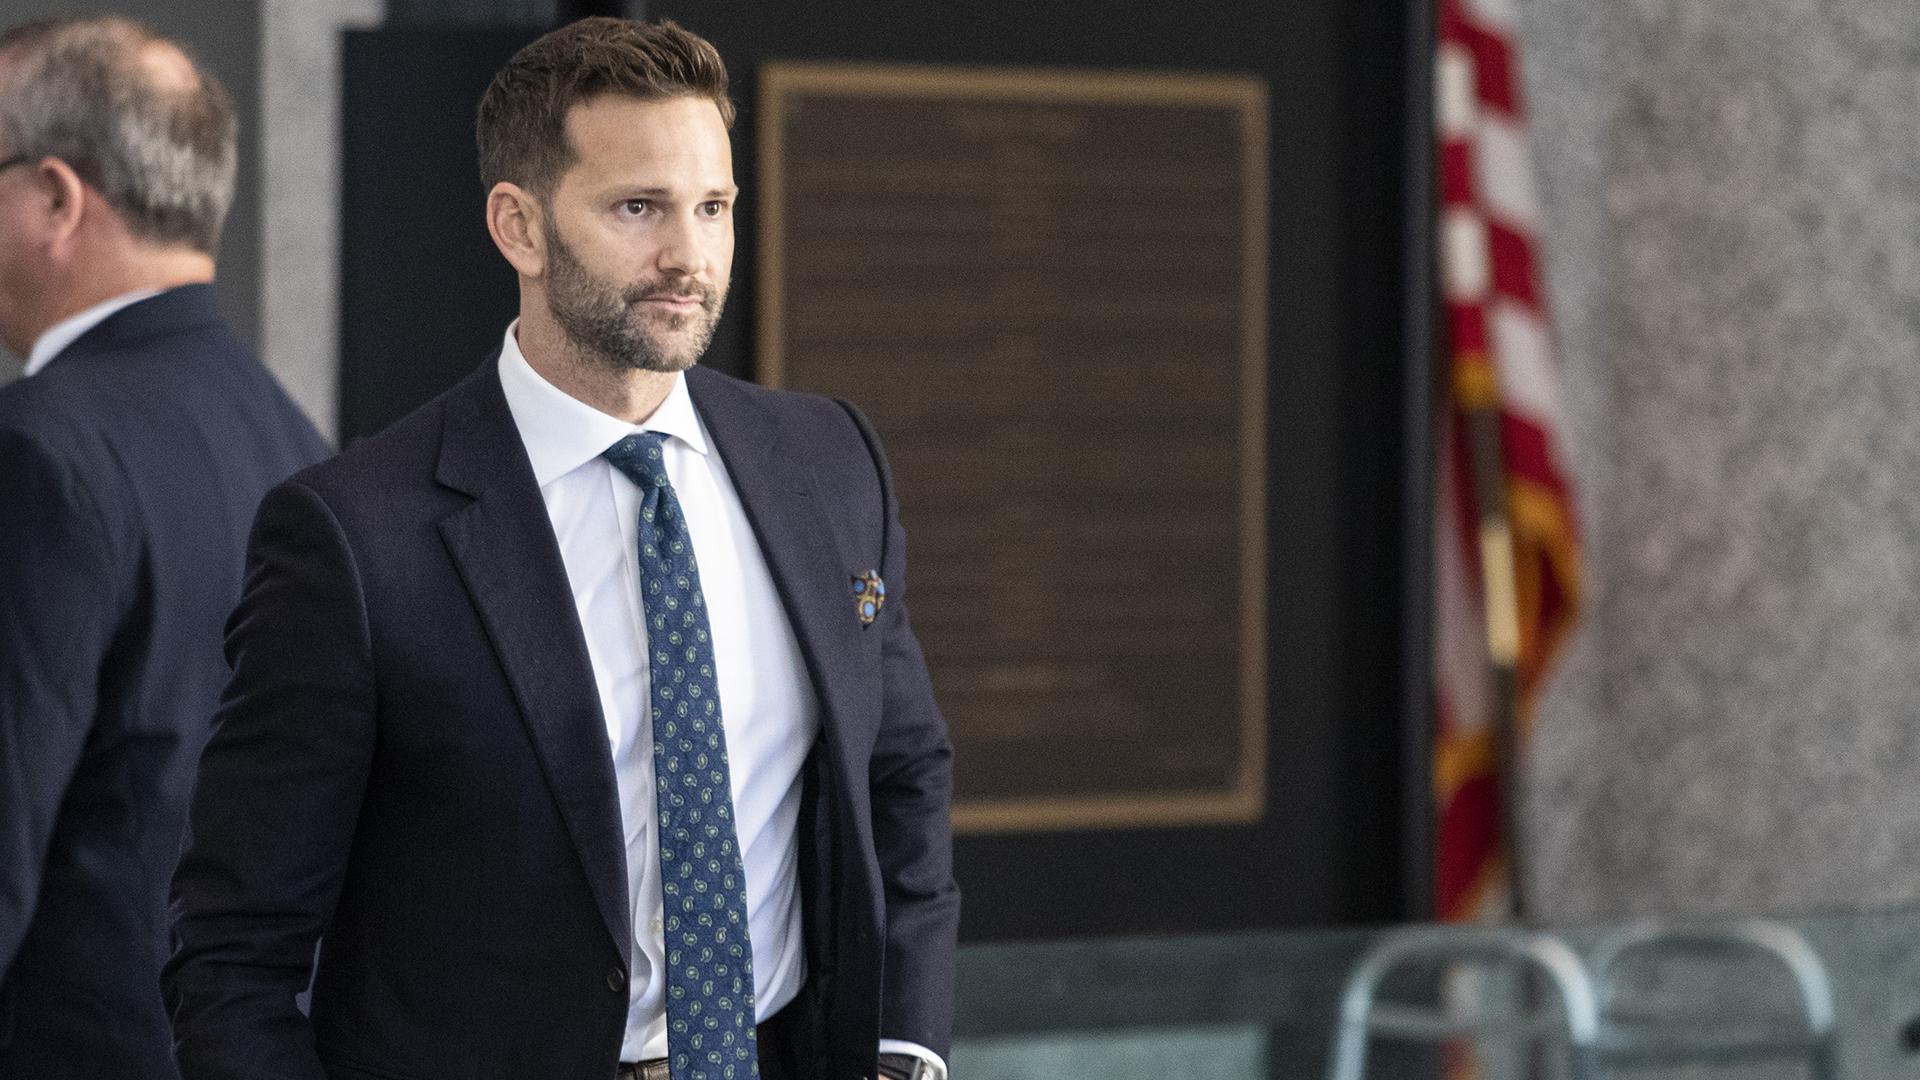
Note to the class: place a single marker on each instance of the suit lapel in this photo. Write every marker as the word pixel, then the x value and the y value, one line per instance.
pixel 508 559
pixel 809 571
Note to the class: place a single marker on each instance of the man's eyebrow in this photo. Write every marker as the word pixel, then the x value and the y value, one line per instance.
pixel 662 193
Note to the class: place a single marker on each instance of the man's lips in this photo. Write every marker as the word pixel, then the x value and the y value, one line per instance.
pixel 675 303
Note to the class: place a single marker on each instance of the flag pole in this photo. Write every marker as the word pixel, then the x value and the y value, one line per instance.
pixel 1478 392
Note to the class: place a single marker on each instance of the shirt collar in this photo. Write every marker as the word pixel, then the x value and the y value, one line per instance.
pixel 562 432
pixel 69 330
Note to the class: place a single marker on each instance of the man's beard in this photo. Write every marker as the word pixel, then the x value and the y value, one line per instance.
pixel 602 320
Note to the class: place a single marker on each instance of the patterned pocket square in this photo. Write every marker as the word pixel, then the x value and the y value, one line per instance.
pixel 869 593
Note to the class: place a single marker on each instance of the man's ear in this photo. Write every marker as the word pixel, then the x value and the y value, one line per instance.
pixel 63 197
pixel 514 219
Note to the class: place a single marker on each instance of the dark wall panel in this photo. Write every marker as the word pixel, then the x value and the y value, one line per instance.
pixel 423 292
pixel 1329 849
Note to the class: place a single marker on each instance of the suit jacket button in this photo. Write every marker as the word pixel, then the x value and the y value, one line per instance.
pixel 616 980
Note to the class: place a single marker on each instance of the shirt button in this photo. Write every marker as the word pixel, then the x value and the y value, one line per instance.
pixel 654 925
pixel 616 980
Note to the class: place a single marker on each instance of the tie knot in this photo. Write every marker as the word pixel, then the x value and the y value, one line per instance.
pixel 639 457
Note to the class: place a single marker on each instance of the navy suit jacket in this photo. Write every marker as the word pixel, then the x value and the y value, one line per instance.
pixel 129 471
pixel 411 766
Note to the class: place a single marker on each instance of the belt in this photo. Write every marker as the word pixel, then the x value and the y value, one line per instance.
pixel 776 1050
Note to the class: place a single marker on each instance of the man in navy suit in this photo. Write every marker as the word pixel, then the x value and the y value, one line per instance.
pixel 577 716
pixel 132 458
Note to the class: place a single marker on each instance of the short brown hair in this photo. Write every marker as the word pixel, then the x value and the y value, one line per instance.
pixel 522 124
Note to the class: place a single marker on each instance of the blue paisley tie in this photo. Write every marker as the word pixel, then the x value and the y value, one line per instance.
pixel 710 1033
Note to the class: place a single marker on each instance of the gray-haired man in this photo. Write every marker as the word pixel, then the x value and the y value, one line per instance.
pixel 131 460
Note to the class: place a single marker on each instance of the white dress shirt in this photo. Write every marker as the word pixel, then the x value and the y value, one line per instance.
pixel 68 330
pixel 767 703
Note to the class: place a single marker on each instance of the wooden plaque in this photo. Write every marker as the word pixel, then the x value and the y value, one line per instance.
pixel 1048 291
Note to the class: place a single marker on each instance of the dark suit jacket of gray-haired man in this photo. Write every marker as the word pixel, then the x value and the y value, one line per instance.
pixel 132 458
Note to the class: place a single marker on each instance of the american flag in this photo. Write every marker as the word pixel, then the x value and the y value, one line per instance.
pixel 1507 555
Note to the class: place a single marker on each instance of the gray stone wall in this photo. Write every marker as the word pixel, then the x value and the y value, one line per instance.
pixel 1732 196
pixel 300 147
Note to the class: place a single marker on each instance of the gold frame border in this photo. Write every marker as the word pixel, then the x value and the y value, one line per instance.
pixel 1245 802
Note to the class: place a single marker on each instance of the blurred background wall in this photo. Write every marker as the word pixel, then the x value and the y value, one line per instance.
pixel 1732 218
pixel 1732 195
pixel 296 267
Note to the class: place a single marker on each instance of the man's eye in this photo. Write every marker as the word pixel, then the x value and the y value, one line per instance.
pixel 635 207
pixel 713 208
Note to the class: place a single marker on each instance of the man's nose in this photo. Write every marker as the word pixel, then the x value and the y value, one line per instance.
pixel 682 251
